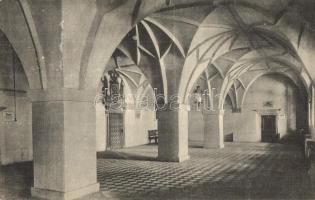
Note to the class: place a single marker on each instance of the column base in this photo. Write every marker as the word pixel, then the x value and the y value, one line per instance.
pixel 221 146
pixel 57 195
pixel 175 159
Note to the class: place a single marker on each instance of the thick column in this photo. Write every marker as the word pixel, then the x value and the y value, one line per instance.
pixel 173 134
pixel 64 144
pixel 101 127
pixel 214 136
pixel 310 157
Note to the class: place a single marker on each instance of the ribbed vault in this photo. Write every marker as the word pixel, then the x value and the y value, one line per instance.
pixel 137 85
pixel 227 41
pixel 237 38
pixel 172 42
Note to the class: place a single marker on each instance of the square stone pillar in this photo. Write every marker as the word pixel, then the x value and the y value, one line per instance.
pixel 173 135
pixel 101 127
pixel 310 158
pixel 214 136
pixel 64 145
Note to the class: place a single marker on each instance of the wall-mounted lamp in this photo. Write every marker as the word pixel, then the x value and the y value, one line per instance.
pixel 134 37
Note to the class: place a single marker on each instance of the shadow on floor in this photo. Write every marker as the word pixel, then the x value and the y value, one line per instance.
pixel 124 155
pixel 147 152
pixel 239 171
pixel 212 191
pixel 16 181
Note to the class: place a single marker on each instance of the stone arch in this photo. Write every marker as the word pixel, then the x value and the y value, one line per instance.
pixel 293 79
pixel 26 57
pixel 35 39
pixel 108 36
pixel 136 81
pixel 288 38
pixel 296 70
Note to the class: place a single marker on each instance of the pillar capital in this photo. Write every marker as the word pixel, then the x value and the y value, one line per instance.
pixel 62 94
pixel 213 112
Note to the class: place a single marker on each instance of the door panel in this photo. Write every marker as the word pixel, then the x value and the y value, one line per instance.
pixel 268 128
pixel 116 131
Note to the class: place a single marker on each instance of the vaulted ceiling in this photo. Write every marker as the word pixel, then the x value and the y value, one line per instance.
pixel 230 43
pixel 172 43
pixel 12 75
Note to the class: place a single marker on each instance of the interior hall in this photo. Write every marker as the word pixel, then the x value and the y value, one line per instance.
pixel 157 99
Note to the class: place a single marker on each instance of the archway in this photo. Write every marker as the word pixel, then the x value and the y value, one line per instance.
pixel 271 94
pixel 15 113
pixel 136 110
pixel 16 142
pixel 198 101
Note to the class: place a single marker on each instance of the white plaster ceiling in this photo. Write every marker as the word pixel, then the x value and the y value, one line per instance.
pixel 236 37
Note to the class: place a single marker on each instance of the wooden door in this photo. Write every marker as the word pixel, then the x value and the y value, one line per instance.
pixel 116 137
pixel 268 128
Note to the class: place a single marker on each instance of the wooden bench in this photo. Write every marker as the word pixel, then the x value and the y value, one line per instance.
pixel 229 137
pixel 153 134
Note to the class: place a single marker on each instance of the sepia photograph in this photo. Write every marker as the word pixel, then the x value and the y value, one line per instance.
pixel 157 100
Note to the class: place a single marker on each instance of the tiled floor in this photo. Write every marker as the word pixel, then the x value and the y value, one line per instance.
pixel 239 171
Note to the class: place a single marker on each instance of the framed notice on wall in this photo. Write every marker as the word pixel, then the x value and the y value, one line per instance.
pixel 8 116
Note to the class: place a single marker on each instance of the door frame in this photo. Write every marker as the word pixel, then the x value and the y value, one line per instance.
pixel 259 113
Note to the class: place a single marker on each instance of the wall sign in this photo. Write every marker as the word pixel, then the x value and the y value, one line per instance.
pixel 8 116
